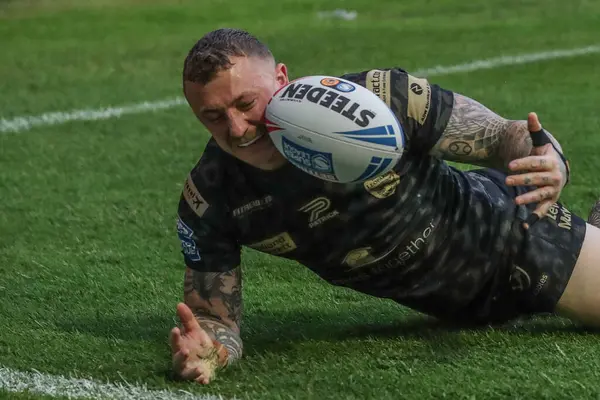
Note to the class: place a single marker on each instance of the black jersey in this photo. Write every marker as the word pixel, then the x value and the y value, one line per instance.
pixel 391 236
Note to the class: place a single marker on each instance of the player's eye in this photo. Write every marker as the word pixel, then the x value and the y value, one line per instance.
pixel 245 106
pixel 214 117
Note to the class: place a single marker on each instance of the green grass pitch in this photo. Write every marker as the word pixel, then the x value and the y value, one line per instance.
pixel 90 269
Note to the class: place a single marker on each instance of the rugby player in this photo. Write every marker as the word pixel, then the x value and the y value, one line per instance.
pixel 459 246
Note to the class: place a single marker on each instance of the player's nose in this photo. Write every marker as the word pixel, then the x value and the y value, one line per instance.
pixel 238 125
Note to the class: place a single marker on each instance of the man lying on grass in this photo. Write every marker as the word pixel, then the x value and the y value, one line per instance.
pixel 483 246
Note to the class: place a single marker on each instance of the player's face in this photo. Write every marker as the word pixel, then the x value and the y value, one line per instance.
pixel 232 106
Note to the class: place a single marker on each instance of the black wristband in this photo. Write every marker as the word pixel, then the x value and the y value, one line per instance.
pixel 539 138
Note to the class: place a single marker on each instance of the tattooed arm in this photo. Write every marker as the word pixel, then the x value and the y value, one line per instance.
pixel 215 298
pixel 475 135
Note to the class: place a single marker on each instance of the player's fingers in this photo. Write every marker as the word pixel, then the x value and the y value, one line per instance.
pixel 175 339
pixel 541 150
pixel 202 377
pixel 533 122
pixel 187 318
pixel 538 195
pixel 535 179
pixel 190 373
pixel 533 163
pixel 179 359
pixel 539 213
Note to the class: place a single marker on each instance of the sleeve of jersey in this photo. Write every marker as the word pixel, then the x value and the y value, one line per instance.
pixel 207 243
pixel 423 109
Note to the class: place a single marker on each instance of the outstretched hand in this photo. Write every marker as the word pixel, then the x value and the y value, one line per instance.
pixel 194 354
pixel 543 168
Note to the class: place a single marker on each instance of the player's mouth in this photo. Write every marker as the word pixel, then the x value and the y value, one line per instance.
pixel 248 140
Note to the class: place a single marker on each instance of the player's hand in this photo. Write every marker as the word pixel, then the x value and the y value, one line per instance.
pixel 544 169
pixel 194 354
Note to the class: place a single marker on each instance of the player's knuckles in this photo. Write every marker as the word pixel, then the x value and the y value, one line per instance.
pixel 545 208
pixel 540 163
pixel 556 178
pixel 553 178
pixel 549 193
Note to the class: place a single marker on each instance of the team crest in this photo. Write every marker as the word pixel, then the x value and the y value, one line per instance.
pixel 384 185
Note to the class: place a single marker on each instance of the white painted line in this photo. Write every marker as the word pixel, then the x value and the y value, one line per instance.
pixel 507 60
pixel 72 388
pixel 19 124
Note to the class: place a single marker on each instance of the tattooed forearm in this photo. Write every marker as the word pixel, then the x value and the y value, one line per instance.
pixel 208 285
pixel 216 300
pixel 476 135
pixel 221 289
pixel 222 334
pixel 216 294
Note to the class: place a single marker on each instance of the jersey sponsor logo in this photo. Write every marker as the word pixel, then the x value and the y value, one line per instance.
pixel 384 185
pixel 378 82
pixel 254 205
pixel 358 257
pixel 561 216
pixel 540 285
pixel 279 244
pixel 419 99
pixel 330 99
pixel 414 247
pixel 519 279
pixel 416 88
pixel 392 259
pixel 318 211
pixel 314 162
pixel 188 245
pixel 194 198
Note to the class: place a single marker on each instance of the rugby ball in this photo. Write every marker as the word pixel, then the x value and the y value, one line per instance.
pixel 334 129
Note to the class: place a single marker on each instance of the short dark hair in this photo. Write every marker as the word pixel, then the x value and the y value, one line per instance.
pixel 211 54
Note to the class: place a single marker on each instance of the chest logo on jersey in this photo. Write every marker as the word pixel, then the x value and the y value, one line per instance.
pixel 194 198
pixel 279 244
pixel 318 210
pixel 252 206
pixel 384 185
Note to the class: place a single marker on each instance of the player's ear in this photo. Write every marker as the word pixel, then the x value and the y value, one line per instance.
pixel 281 74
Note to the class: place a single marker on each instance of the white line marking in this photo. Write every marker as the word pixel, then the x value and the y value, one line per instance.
pixel 72 388
pixel 19 124
pixel 509 60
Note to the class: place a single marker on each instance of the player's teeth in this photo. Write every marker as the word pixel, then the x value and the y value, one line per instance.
pixel 246 144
